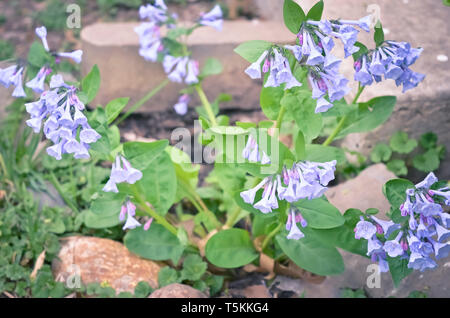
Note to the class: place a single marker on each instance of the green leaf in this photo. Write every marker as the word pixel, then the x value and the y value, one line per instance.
pixel 400 142
pixel 379 34
pixel 142 289
pixel 399 269
pixel 215 283
pixel 142 154
pixel 91 83
pixel 342 236
pixel 262 223
pixel 320 214
pixel 104 211
pixel 395 191
pixel 302 107
pixel 293 16
pixel 270 101
pixel 381 152
pixel 228 130
pixel 37 55
pixel 398 167
pixel 252 50
pixel 212 67
pixel 157 244
pixel 193 268
pixel 167 276
pixel 114 107
pixel 312 255
pixel 319 153
pixel 159 183
pixel 369 115
pixel 315 13
pixel 362 51
pixel 428 140
pixel 230 249
pixel 427 162
pixel 300 147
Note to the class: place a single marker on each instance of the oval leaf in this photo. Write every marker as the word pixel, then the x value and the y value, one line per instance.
pixel 320 214
pixel 230 249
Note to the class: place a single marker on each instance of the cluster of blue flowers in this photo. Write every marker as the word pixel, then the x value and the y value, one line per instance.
pixel 179 69
pixel 122 171
pixel 422 236
pixel 391 60
pixel 315 43
pixel 305 180
pixel 61 113
pixel 13 75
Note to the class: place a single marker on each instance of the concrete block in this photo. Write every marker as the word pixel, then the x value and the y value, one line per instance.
pixel 114 48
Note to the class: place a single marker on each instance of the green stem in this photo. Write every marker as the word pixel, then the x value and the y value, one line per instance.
pixel 3 166
pixel 341 123
pixel 233 217
pixel 142 101
pixel 270 236
pixel 279 121
pixel 158 218
pixel 206 104
pixel 200 205
pixel 58 188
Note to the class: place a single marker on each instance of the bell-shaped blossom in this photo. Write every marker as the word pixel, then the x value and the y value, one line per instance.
pixel 213 18
pixel 364 229
pixel 75 56
pixel 181 107
pixel 37 83
pixel 41 32
pixel 254 70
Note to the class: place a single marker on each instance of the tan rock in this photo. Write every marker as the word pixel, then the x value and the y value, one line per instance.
pixel 177 291
pixel 363 192
pixel 103 261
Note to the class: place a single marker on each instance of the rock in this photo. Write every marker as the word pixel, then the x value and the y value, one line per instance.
pixel 177 291
pixel 287 287
pixel 102 261
pixel 364 191
pixel 114 48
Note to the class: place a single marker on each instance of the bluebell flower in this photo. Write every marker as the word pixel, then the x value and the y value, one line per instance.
pixel 388 227
pixel 291 226
pixel 181 107
pixel 192 72
pixel 121 171
pixel 365 229
pixel 76 56
pixel 374 245
pixel 155 13
pixel 393 247
pixel 254 70
pixel 37 83
pixel 131 222
pixel 41 32
pixel 213 18
pixel 380 257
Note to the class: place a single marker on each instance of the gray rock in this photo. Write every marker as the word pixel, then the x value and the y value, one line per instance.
pixel 364 191
pixel 177 291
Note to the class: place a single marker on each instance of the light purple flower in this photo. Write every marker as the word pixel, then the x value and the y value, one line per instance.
pixel 181 107
pixel 213 18
pixel 76 56
pixel 41 32
pixel 364 229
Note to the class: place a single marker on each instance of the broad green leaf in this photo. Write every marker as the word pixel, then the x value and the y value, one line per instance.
pixel 369 116
pixel 262 224
pixel 293 16
pixel 159 183
pixel 312 255
pixel 427 162
pixel 395 191
pixel 157 244
pixel 270 101
pixel 193 268
pixel 114 107
pixel 320 214
pixel 230 249
pixel 315 13
pixel 104 211
pixel 228 130
pixel 342 236
pixel 37 55
pixel 319 153
pixel 398 167
pixel 381 152
pixel 399 269
pixel 302 107
pixel 428 140
pixel 167 276
pixel 91 83
pixel 300 147
pixel 212 67
pixel 252 50
pixel 400 142
pixel 142 154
